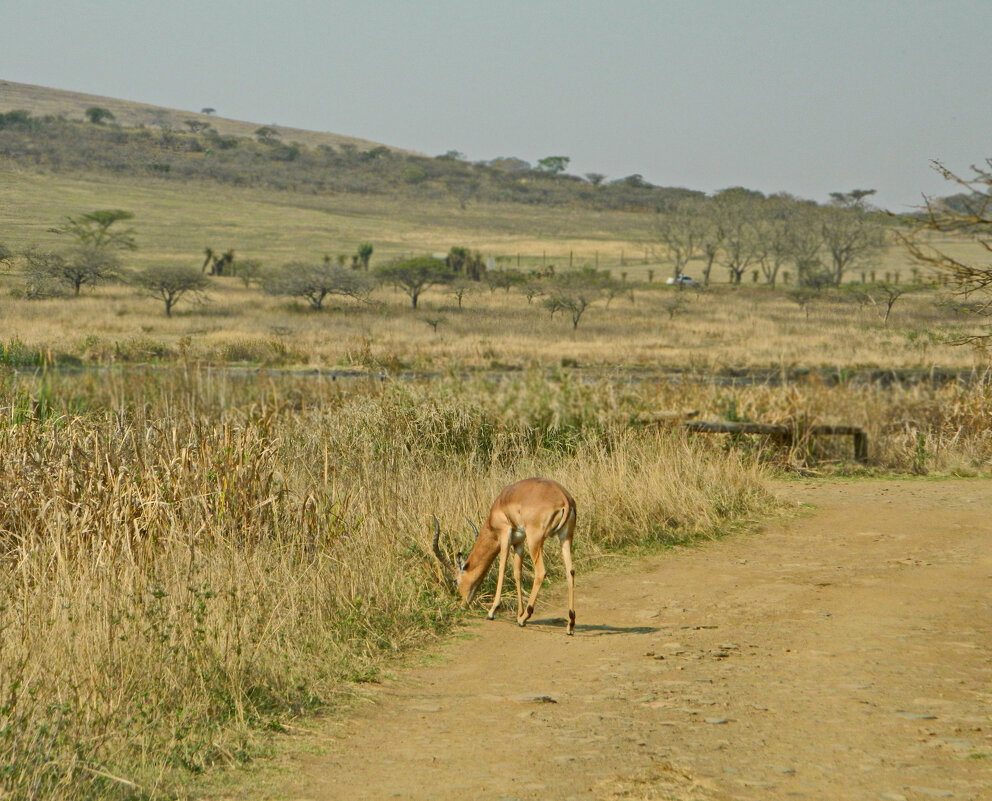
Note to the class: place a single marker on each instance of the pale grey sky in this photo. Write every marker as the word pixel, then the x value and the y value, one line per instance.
pixel 794 95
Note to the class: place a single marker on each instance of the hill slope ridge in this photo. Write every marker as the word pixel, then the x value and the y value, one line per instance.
pixel 42 100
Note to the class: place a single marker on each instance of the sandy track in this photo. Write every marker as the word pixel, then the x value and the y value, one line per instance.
pixel 845 654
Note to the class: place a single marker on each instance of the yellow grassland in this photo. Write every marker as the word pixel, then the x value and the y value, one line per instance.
pixel 715 329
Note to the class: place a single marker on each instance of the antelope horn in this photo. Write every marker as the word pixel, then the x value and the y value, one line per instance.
pixel 435 544
pixel 476 530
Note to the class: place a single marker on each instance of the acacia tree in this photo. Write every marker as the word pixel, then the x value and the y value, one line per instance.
pixel 96 229
pixel 82 266
pixel 883 296
pixel 852 233
pixel 969 216
pixel 462 286
pixel 575 292
pixel 413 276
pixel 316 282
pixel 505 279
pixel 170 283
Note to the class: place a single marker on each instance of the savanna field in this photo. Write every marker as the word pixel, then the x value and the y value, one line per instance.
pixel 218 522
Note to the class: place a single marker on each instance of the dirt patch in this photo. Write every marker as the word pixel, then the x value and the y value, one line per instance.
pixel 844 654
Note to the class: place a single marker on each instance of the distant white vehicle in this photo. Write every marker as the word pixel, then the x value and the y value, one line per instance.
pixel 682 280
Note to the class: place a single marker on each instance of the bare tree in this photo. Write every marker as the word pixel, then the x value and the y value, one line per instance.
pixel 737 215
pixel 852 232
pixel 883 296
pixel 680 232
pixel 42 273
pixel 574 292
pixel 969 217
pixel 462 286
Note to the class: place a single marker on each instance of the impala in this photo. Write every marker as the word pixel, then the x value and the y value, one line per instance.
pixel 525 513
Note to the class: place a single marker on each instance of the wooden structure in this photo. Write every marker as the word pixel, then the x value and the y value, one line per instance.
pixel 785 434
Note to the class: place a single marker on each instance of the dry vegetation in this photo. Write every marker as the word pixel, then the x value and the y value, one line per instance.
pixel 189 560
pixel 194 550
pixel 717 330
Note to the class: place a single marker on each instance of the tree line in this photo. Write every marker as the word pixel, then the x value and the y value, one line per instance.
pixel 741 230
pixel 736 229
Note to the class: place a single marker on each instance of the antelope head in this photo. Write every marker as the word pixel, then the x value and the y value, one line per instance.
pixel 456 571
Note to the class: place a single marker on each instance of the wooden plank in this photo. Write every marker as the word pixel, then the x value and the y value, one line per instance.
pixel 783 432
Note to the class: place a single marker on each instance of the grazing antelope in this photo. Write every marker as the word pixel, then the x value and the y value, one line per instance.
pixel 525 513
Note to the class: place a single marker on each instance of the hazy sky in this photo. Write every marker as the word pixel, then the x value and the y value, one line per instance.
pixel 797 95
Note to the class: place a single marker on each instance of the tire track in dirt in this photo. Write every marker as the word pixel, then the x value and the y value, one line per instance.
pixel 843 654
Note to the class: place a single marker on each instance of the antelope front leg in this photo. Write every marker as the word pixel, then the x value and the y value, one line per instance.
pixel 518 577
pixel 504 547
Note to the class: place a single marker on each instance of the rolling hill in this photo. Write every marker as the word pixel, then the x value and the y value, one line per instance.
pixel 42 101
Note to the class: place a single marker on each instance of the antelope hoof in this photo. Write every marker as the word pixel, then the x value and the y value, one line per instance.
pixel 490 616
pixel 522 622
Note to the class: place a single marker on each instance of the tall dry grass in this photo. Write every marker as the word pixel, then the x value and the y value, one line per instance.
pixel 921 426
pixel 189 560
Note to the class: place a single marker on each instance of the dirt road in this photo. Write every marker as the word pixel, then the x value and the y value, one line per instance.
pixel 843 654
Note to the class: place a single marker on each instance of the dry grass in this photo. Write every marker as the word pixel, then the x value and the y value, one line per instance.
pixel 186 560
pixel 189 558
pixel 716 330
pixel 723 328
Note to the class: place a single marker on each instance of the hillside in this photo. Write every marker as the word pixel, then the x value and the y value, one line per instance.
pixel 42 101
pixel 48 129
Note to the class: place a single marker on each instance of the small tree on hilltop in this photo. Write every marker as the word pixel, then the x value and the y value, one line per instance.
pixel 553 164
pixel 416 275
pixel 98 115
pixel 170 283
pixel 267 135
